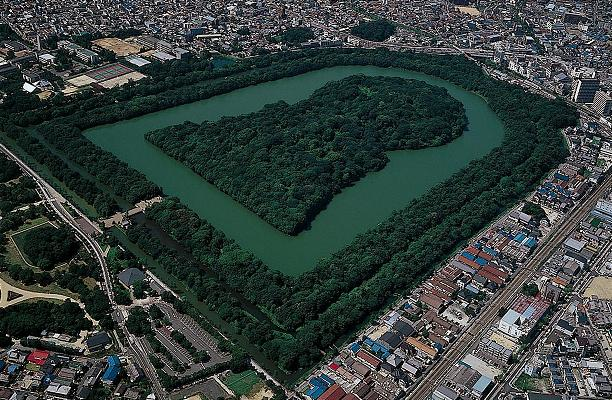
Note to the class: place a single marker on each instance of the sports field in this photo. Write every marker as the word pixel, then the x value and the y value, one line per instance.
pixel 118 46
pixel 600 287
pixel 108 72
pixel 242 384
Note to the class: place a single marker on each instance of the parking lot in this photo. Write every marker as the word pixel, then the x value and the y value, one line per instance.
pixel 200 339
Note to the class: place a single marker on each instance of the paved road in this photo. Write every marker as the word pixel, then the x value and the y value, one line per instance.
pixel 515 370
pixel 55 201
pixel 440 370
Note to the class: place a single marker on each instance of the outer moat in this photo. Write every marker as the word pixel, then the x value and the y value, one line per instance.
pixel 408 175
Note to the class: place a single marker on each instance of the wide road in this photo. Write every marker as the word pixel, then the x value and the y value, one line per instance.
pixel 440 370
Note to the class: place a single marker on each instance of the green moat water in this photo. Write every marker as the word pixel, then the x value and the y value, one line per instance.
pixel 408 175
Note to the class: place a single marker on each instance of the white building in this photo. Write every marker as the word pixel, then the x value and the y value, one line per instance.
pixel 514 324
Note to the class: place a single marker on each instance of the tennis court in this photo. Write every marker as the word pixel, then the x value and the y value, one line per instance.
pixel 242 383
pixel 108 72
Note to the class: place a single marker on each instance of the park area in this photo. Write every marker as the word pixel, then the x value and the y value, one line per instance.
pixel 45 246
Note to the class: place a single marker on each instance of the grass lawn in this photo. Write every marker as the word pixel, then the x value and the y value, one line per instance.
pixel 242 383
pixel 525 383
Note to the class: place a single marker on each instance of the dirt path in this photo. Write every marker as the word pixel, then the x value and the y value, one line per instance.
pixel 25 295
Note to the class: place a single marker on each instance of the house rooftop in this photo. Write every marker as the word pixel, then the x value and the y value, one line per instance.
pixel 130 276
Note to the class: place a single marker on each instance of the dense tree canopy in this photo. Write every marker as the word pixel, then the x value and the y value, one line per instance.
pixel 138 322
pixel 123 180
pixel 286 162
pixel 17 194
pixel 24 319
pixel 48 246
pixel 295 35
pixel 104 204
pixel 8 170
pixel 6 33
pixel 377 31
pixel 16 99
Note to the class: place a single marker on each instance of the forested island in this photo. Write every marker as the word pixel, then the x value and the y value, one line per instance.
pixel 286 162
pixel 328 303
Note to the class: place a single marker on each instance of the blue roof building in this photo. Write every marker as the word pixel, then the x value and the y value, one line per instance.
pixel 113 370
pixel 13 368
pixel 481 385
pixel 481 261
pixel 319 385
pixel 520 237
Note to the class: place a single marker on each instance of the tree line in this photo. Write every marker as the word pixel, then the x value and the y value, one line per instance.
pixel 123 180
pixel 93 194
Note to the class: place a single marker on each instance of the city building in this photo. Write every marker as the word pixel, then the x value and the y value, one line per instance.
pixel 584 90
pixel 603 210
pixel 602 103
pixel 81 53
pixel 522 317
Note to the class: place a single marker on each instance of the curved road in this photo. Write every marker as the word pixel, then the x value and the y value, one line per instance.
pixel 55 200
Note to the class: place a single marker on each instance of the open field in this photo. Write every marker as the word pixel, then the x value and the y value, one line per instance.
pixel 600 287
pixel 122 80
pixel 118 46
pixel 469 10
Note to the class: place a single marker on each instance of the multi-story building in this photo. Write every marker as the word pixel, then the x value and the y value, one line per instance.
pixel 584 90
pixel 602 103
pixel 603 210
pixel 81 53
pixel 495 350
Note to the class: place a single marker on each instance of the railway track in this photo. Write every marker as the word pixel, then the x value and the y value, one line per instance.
pixel 439 371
